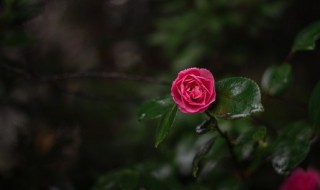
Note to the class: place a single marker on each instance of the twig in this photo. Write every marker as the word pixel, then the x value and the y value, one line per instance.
pixel 229 145
pixel 16 71
pixel 90 97
pixel 69 76
pixel 289 57
pixel 108 75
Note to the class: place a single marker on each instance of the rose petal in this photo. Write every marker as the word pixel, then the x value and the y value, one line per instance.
pixel 176 96
pixel 208 84
pixel 206 74
pixel 189 110
pixel 193 70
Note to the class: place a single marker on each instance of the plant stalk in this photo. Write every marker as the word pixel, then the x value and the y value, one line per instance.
pixel 229 145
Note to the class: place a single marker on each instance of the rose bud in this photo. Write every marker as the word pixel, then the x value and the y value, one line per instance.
pixel 302 180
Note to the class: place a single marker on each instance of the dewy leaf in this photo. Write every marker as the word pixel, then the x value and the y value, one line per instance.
pixel 203 151
pixel 276 79
pixel 236 97
pixel 165 125
pixel 306 39
pixel 292 147
pixel 314 107
pixel 155 108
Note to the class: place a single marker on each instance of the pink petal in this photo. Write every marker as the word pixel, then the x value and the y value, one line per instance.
pixel 206 74
pixel 193 70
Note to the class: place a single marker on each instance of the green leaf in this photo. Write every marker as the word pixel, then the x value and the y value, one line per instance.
pixel 150 182
pixel 124 180
pixel 314 107
pixel 236 97
pixel 306 39
pixel 205 126
pixel 203 151
pixel 155 108
pixel 292 147
pixel 259 134
pixel 165 125
pixel 249 134
pixel 276 79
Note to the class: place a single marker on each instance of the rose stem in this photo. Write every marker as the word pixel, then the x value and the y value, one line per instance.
pixel 229 145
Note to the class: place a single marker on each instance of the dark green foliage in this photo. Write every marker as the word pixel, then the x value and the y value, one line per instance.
pixel 190 32
pixel 165 124
pixel 100 133
pixel 203 151
pixel 292 147
pixel 122 180
pixel 236 97
pixel 276 79
pixel 130 179
pixel 206 126
pixel 306 39
pixel 314 108
pixel 155 108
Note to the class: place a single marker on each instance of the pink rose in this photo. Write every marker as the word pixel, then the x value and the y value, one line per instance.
pixel 193 90
pixel 302 180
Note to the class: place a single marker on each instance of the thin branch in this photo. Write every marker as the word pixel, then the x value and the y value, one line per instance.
pixel 91 97
pixel 106 75
pixel 289 57
pixel 70 76
pixel 229 145
pixel 16 71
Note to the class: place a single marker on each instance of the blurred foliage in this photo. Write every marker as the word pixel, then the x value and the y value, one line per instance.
pixel 276 79
pixel 314 108
pixel 193 31
pixel 306 39
pixel 91 133
pixel 291 147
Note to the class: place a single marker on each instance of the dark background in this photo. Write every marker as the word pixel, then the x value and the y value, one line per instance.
pixel 65 134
